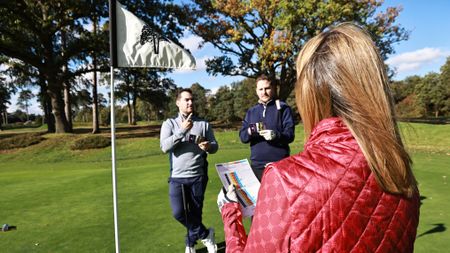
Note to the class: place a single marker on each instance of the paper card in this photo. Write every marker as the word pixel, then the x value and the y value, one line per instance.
pixel 247 185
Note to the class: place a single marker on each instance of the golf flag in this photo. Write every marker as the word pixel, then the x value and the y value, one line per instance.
pixel 133 43
pixel 138 45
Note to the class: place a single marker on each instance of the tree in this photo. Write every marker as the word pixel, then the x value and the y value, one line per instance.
pixel 23 101
pixel 444 102
pixel 409 107
pixel 172 109
pixel 222 106
pixel 5 95
pixel 244 93
pixel 81 105
pixel 404 88
pixel 266 36
pixel 51 37
pixel 432 94
pixel 200 101
pixel 405 99
pixel 148 85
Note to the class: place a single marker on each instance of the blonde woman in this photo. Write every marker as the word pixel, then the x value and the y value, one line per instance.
pixel 352 188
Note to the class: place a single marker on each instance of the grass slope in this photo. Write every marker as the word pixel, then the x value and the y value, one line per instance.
pixel 61 200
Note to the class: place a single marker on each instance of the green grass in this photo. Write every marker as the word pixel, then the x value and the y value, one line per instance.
pixel 61 200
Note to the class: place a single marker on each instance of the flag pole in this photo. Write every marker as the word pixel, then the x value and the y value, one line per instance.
pixel 113 64
pixel 113 159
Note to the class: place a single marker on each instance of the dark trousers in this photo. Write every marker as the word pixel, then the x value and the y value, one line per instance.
pixel 258 169
pixel 194 190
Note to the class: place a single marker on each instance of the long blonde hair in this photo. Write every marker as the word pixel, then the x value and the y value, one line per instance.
pixel 340 73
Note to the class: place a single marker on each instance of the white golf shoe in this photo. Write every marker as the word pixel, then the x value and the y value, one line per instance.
pixel 189 250
pixel 210 242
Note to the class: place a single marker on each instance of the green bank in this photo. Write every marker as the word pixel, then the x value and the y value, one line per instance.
pixel 61 200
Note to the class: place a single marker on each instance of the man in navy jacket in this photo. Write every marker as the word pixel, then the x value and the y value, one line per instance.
pixel 268 126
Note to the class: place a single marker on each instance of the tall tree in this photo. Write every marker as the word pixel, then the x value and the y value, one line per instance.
pixel 444 103
pixel 200 101
pixel 23 100
pixel 32 31
pixel 172 109
pixel 259 37
pixel 244 96
pixel 81 105
pixel 95 109
pixel 148 85
pixel 431 94
pixel 404 88
pixel 222 109
pixel 5 95
pixel 405 98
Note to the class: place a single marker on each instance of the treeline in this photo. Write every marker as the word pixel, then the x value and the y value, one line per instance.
pixel 427 96
pixel 228 104
pixel 144 98
pixel 61 49
pixel 414 97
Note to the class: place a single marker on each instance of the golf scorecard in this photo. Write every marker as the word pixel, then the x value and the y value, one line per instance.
pixel 247 185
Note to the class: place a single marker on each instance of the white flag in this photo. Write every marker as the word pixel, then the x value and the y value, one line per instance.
pixel 138 45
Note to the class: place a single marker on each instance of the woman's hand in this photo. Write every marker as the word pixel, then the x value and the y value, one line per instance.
pixel 226 196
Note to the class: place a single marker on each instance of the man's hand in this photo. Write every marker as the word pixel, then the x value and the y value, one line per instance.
pixel 204 145
pixel 226 196
pixel 267 134
pixel 187 124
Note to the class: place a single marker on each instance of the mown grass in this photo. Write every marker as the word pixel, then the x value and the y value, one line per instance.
pixel 61 200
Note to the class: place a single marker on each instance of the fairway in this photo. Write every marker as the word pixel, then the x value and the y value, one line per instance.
pixel 61 200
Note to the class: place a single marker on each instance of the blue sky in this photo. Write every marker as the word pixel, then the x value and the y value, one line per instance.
pixel 429 42
pixel 425 51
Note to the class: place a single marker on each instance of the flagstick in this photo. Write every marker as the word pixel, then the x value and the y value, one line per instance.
pixel 113 154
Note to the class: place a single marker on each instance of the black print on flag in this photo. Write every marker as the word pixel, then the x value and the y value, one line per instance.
pixel 150 35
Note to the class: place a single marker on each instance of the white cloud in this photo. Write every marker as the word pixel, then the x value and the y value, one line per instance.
pixel 415 60
pixel 191 42
pixel 214 90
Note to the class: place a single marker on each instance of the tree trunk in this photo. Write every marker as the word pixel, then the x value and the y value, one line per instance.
pixel 26 109
pixel 133 111
pixel 47 106
pixel 49 119
pixel 67 98
pixel 61 124
pixel 2 120
pixel 129 110
pixel 95 126
pixel 285 87
pixel 68 106
pixel 5 117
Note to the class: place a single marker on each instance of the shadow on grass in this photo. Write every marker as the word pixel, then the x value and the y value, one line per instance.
pixel 422 198
pixel 438 228
pixel 220 248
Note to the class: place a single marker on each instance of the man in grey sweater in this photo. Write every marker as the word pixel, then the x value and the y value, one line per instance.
pixel 188 140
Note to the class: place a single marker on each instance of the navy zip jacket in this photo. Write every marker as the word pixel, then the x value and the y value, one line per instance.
pixel 279 120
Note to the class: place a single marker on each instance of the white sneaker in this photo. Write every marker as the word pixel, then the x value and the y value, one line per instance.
pixel 210 242
pixel 189 250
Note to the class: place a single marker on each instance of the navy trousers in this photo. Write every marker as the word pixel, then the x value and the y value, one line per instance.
pixel 194 190
pixel 258 169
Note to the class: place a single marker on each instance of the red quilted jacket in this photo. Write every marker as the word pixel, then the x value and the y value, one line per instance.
pixel 324 199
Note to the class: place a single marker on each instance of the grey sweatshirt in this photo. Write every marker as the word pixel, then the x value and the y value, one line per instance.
pixel 185 157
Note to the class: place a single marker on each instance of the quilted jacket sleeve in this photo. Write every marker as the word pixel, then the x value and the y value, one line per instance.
pixel 269 231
